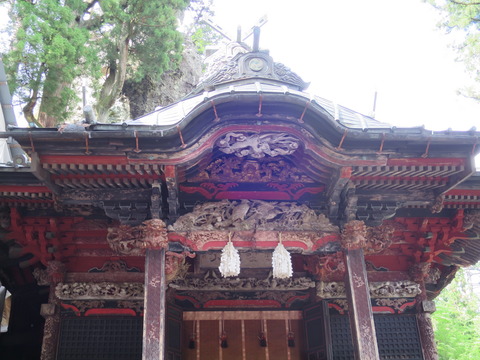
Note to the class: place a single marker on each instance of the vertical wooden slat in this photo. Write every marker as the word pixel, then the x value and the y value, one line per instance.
pixel 244 345
pixel 154 306
pixel 360 309
pixel 198 342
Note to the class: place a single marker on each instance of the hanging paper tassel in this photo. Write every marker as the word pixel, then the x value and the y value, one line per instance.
pixel 281 261
pixel 230 260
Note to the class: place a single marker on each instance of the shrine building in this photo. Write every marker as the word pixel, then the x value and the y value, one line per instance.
pixel 249 221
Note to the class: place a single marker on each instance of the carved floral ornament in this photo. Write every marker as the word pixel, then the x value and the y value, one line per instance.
pixel 387 289
pixel 258 145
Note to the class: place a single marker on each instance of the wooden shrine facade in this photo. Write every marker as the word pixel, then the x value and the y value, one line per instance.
pixel 114 232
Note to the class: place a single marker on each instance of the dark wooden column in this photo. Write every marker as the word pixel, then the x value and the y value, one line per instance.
pixel 155 240
pixel 54 274
pixel 154 305
pixel 358 292
pixel 424 310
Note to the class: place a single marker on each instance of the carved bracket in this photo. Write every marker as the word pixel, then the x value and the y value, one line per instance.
pixel 356 235
pixel 133 240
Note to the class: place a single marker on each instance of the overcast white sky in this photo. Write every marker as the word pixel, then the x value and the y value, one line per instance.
pixel 349 49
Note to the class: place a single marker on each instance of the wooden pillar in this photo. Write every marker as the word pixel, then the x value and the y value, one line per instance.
pixel 154 305
pixel 51 328
pixel 155 241
pixel 358 292
pixel 425 328
pixel 55 273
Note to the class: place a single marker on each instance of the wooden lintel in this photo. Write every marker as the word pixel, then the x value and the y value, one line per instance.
pixel 42 175
pixel 93 196
pixel 360 308
pixel 418 196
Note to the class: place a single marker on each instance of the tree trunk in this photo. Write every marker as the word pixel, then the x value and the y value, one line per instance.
pixel 113 85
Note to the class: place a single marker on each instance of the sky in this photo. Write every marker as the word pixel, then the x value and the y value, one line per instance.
pixel 350 49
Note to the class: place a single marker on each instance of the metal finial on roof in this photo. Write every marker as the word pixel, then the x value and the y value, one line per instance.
pixel 256 38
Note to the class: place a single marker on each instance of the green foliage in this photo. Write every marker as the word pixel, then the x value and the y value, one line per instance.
pixel 464 16
pixel 457 321
pixel 57 42
pixel 48 50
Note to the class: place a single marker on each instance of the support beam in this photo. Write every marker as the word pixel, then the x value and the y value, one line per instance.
pixel 154 305
pixel 42 175
pixel 51 312
pixel 334 191
pixel 425 328
pixel 51 329
pixel 171 177
pixel 354 239
pixel 360 308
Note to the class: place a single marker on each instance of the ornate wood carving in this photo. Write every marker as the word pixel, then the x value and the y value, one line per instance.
pixel 213 283
pixel 133 240
pixel 53 274
pixel 175 265
pixel 326 268
pixel 114 266
pixel 379 238
pixel 427 336
pixel 373 240
pixel 263 170
pixel 258 145
pixel 354 235
pixel 471 220
pixel 387 289
pixel 154 234
pixel 253 215
pixel 126 240
pixel 99 291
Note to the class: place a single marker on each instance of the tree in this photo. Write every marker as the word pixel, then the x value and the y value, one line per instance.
pixel 105 40
pixel 464 15
pixel 457 320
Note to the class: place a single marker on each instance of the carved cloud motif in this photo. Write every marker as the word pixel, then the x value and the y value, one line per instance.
pixel 258 145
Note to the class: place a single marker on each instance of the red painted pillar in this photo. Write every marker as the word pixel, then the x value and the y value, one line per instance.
pixel 358 292
pixel 154 306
